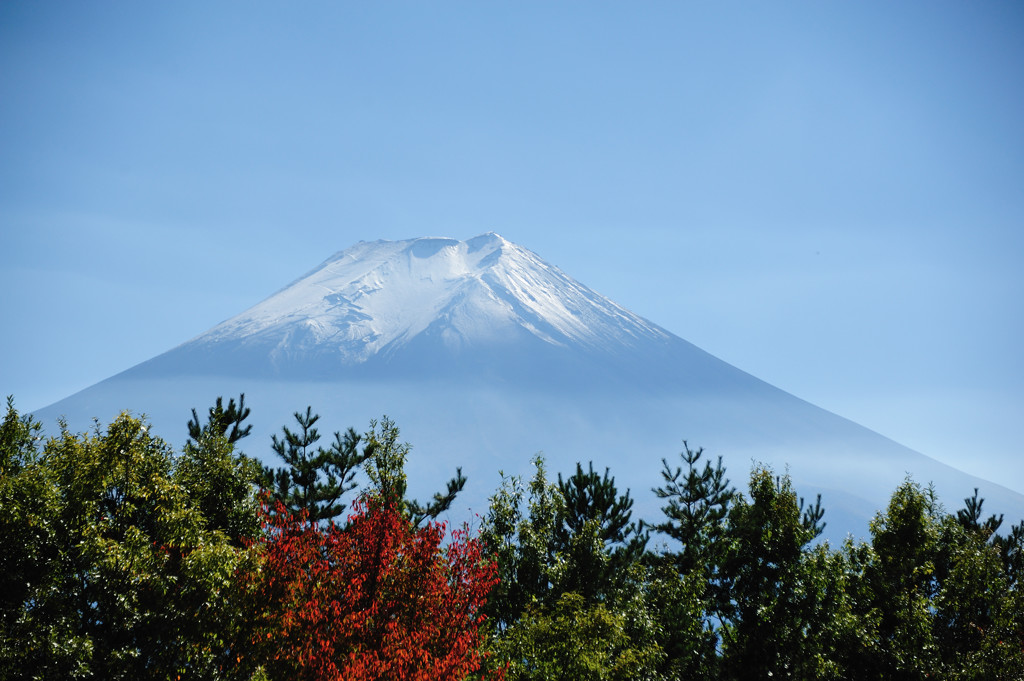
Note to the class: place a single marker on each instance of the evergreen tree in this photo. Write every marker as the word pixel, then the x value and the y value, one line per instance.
pixel 221 482
pixel 314 479
pixel 1011 550
pixel 698 498
pixel 772 615
pixel 595 534
pixel 220 419
pixel 696 508
pixel 522 545
pixel 902 583
pixel 969 517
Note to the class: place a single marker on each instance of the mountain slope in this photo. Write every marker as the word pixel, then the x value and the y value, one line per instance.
pixel 440 308
pixel 485 354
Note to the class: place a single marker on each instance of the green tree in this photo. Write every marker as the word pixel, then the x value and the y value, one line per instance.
pixel 574 599
pixel 595 535
pixel 902 581
pixel 225 421
pixel 384 458
pixel 772 617
pixel 575 640
pixel 522 545
pixel 314 479
pixel 127 580
pixel 697 503
pixel 977 619
pixel 221 482
pixel 697 498
pixel 33 635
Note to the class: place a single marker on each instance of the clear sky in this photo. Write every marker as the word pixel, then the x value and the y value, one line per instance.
pixel 829 195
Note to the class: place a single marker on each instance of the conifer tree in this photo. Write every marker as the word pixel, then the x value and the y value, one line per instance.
pixel 313 478
pixel 969 517
pixel 222 483
pixel 697 502
pixel 595 533
pixel 220 419
pixel 773 613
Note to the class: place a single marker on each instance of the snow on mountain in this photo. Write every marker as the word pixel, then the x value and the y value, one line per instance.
pixel 485 354
pixel 376 298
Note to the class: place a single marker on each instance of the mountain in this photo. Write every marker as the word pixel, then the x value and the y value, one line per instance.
pixel 485 354
pixel 483 310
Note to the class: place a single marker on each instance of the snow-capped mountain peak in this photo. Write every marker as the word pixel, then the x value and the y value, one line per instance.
pixel 378 297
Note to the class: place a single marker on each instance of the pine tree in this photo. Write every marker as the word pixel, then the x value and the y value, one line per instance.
pixel 313 478
pixel 595 534
pixel 221 418
pixel 695 510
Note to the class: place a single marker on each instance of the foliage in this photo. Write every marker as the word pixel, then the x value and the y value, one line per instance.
pixel 523 546
pixel 220 481
pixel 374 599
pixel 313 480
pixel 116 573
pixel 572 600
pixel 120 558
pixel 575 640
pixel 695 511
pixel 697 502
pixel 772 614
pixel 220 419
pixel 385 458
pixel 594 534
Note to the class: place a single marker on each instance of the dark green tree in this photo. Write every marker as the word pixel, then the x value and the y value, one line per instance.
pixel 314 479
pixel 697 502
pixel 1011 551
pixel 697 499
pixel 595 534
pixel 29 536
pixel 523 544
pixel 978 623
pixel 969 517
pixel 772 615
pixel 902 583
pixel 222 483
pixel 547 623
pixel 223 421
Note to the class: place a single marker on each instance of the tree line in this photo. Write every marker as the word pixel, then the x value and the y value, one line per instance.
pixel 123 558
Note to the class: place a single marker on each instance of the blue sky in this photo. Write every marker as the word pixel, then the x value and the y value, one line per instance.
pixel 828 195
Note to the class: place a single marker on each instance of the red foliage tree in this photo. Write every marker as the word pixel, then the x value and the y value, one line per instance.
pixel 373 599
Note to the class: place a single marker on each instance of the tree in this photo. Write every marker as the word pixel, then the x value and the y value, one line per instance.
pixel 222 483
pixel 978 621
pixel 522 546
pixel 127 580
pixel 575 640
pixel 376 598
pixel 314 480
pixel 32 636
pixel 695 510
pixel 220 419
pixel 697 502
pixel 385 457
pixel 901 579
pixel 573 600
pixel 594 534
pixel 772 612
